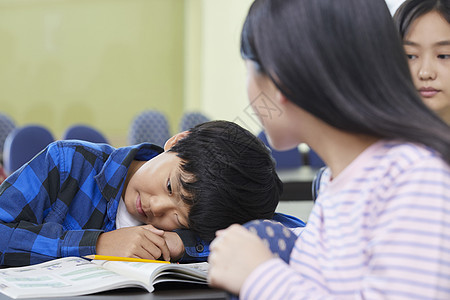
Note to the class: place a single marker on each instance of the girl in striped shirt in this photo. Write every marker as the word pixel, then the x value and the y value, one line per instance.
pixel 380 227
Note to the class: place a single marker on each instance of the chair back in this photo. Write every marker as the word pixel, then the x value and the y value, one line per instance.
pixel 22 144
pixel 315 186
pixel 284 159
pixel 84 133
pixel 314 160
pixel 6 126
pixel 149 126
pixel 191 119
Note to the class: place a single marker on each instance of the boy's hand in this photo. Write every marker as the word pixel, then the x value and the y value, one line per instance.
pixel 175 244
pixel 140 241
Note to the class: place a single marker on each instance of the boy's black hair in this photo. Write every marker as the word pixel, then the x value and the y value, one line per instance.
pixel 228 175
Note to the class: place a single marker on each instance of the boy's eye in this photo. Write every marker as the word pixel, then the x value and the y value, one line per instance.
pixel 443 56
pixel 169 186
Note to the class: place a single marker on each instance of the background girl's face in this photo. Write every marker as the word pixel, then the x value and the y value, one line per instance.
pixel 427 45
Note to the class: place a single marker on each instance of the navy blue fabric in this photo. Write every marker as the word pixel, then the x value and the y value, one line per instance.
pixel 150 126
pixel 314 160
pixel 191 119
pixel 284 159
pixel 84 133
pixel 198 250
pixel 288 220
pixel 316 183
pixel 22 144
pixel 277 237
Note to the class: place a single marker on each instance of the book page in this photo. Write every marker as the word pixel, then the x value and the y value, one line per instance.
pixel 68 276
pixel 195 272
pixel 168 276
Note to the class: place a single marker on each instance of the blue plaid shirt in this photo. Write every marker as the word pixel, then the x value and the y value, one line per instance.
pixel 57 204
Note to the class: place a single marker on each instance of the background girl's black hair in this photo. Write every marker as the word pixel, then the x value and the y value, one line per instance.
pixel 343 62
pixel 410 10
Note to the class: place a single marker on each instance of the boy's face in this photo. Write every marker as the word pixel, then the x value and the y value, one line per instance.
pixel 152 194
pixel 427 45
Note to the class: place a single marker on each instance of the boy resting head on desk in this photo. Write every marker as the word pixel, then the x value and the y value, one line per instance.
pixel 77 198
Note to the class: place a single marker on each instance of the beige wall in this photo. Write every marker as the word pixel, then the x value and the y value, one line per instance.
pixel 215 73
pixel 223 87
pixel 98 62
pixel 101 62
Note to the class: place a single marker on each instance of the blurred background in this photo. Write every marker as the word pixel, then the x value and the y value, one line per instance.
pixel 102 62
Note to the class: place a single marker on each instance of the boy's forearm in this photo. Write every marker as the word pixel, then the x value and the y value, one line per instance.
pixel 25 243
pixel 79 242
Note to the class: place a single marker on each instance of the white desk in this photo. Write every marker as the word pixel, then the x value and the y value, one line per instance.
pixel 299 209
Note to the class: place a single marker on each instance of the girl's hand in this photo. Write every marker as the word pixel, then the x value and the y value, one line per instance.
pixel 235 253
pixel 140 241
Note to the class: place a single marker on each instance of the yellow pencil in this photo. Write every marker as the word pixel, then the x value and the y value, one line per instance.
pixel 118 258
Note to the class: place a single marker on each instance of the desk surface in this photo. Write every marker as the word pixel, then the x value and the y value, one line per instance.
pixel 300 174
pixel 140 294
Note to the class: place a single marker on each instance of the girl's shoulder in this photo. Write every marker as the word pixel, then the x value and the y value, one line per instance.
pixel 406 154
pixel 385 161
pixel 394 160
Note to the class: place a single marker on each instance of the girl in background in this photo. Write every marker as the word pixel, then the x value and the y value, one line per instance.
pixel 380 226
pixel 424 26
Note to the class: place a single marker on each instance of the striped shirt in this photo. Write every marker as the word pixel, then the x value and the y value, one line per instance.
pixel 380 229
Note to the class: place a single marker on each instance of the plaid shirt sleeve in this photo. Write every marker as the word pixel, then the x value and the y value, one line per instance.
pixel 195 249
pixel 39 219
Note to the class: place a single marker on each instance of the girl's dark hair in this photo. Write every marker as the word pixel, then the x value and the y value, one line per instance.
pixel 343 62
pixel 410 10
pixel 227 176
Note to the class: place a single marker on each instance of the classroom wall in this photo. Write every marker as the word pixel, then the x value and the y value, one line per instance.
pixel 193 41
pixel 101 62
pixel 98 62
pixel 215 76
pixel 223 74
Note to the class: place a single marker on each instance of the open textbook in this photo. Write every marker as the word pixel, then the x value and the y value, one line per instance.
pixel 73 276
